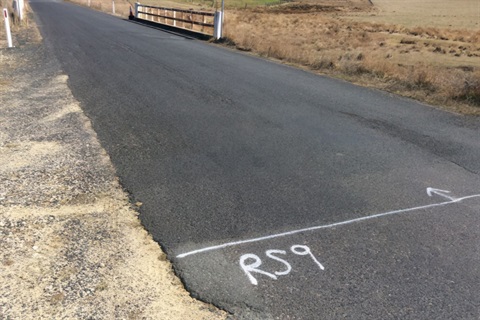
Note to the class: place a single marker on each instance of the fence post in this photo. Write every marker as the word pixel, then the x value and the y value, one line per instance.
pixel 7 28
pixel 136 9
pixel 217 33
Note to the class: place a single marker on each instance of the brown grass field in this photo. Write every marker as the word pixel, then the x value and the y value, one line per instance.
pixel 428 50
pixel 457 14
pixel 15 23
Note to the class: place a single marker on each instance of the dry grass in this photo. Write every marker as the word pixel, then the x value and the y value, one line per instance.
pixel 457 14
pixel 434 64
pixel 3 37
pixel 8 5
pixel 15 23
pixel 122 7
pixel 22 31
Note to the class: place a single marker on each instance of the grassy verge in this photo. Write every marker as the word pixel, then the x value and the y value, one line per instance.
pixel 15 23
pixel 122 7
pixel 436 65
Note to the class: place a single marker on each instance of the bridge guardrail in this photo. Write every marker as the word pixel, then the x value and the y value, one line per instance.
pixel 203 22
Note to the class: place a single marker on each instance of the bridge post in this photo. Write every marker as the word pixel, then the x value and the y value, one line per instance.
pixel 218 22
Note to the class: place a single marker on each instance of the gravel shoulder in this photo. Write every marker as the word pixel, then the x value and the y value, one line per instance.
pixel 71 245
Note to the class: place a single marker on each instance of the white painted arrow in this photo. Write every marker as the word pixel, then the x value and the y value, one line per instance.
pixel 441 193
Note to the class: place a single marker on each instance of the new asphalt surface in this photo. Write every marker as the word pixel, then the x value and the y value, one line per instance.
pixel 223 147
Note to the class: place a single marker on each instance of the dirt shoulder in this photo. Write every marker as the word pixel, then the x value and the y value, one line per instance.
pixel 71 245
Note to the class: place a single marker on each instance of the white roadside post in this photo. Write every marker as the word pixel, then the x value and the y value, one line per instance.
pixel 7 28
pixel 217 21
pixel 136 9
pixel 113 6
pixel 21 8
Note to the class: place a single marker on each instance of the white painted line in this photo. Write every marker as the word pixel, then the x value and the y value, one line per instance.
pixel 440 192
pixel 326 226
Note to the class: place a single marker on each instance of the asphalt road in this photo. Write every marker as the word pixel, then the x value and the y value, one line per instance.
pixel 222 147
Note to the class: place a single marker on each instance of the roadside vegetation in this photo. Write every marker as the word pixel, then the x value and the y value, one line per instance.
pixel 436 64
pixel 9 6
pixel 15 23
pixel 429 51
pixel 16 27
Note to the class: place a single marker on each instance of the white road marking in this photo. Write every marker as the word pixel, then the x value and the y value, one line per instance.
pixel 441 193
pixel 304 251
pixel 254 266
pixel 336 224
